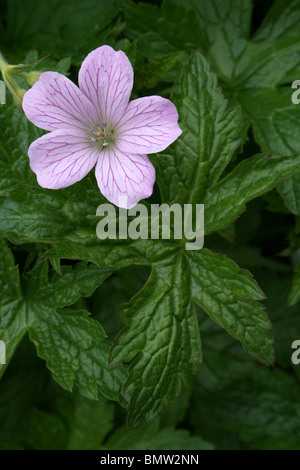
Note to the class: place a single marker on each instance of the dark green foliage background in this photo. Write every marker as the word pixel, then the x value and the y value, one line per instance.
pixel 228 65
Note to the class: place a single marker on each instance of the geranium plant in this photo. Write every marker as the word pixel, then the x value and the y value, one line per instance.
pixel 133 338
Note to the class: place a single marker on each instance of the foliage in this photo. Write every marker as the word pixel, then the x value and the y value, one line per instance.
pixel 83 363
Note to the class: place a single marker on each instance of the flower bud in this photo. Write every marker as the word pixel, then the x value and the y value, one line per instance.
pixel 18 97
pixel 32 77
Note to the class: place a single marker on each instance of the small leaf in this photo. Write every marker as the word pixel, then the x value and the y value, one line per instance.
pixel 225 201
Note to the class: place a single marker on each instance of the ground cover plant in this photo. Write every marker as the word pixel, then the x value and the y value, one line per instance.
pixel 141 343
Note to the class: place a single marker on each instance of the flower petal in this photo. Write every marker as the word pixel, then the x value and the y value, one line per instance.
pixel 54 102
pixel 124 179
pixel 62 158
pixel 149 125
pixel 106 78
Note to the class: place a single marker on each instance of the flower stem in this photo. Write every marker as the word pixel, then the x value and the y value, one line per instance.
pixel 7 71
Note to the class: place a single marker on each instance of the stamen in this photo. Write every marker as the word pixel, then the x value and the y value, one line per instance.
pixel 95 126
pixel 101 134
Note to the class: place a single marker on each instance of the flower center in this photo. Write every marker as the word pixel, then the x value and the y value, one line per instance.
pixel 102 134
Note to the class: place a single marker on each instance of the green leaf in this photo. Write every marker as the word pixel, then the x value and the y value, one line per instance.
pixel 73 345
pixel 252 68
pixel 75 423
pixel 161 31
pixel 123 285
pixel 89 423
pixel 280 27
pixel 229 295
pixel 67 219
pixel 74 27
pixel 227 29
pixel 269 58
pixel 55 263
pixel 15 138
pixel 275 119
pixel 285 319
pixel 161 339
pixel 44 64
pixel 24 383
pixel 157 69
pixel 260 406
pixel 13 316
pixel 210 134
pixel 47 431
pixel 275 128
pixel 225 201
pixel 294 296
pixel 149 437
pixel 289 190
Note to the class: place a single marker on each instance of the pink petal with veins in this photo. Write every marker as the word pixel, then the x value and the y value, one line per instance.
pixel 149 125
pixel 61 158
pixel 54 102
pixel 106 78
pixel 96 124
pixel 124 176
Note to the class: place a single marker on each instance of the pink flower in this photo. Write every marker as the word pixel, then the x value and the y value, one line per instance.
pixel 96 124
